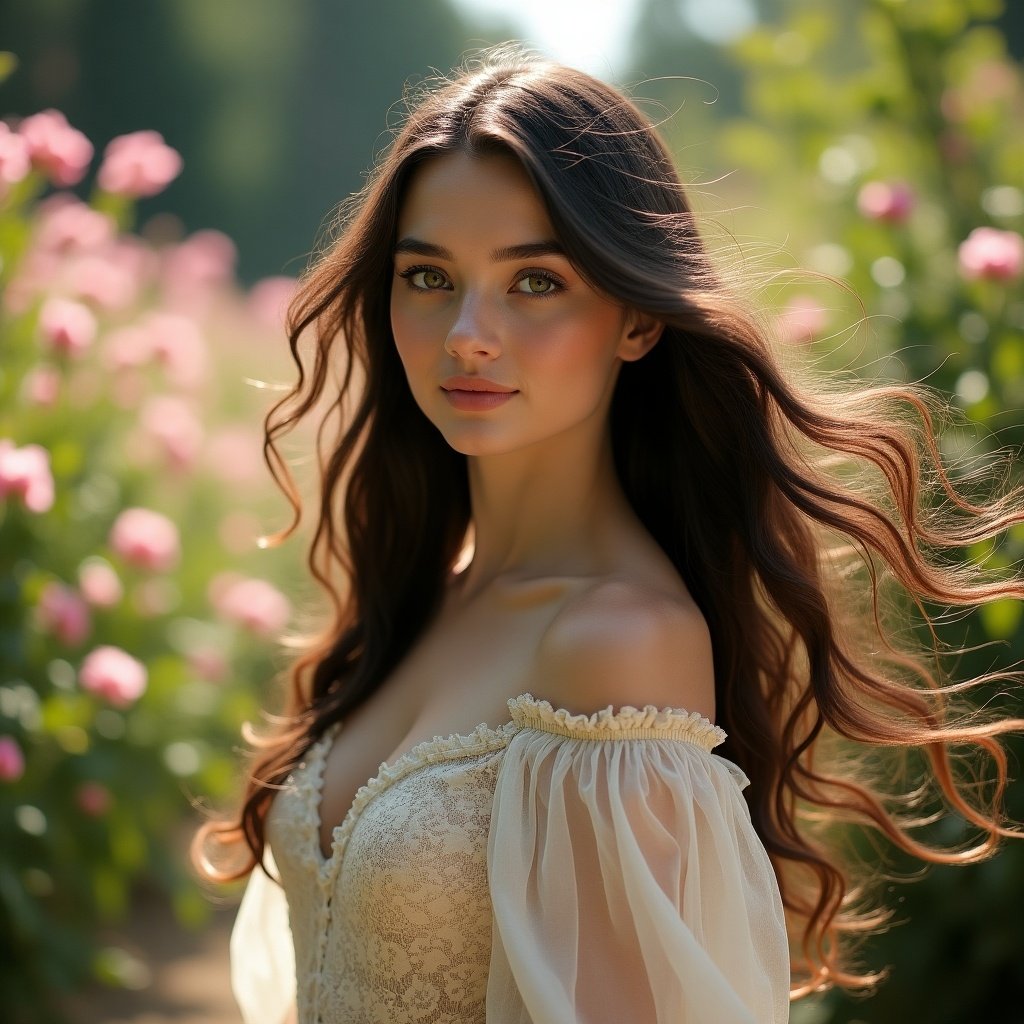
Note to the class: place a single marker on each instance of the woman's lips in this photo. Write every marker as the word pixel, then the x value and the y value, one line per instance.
pixel 478 400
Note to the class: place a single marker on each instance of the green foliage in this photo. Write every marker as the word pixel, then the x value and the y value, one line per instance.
pixel 148 408
pixel 8 64
pixel 921 95
pixel 276 107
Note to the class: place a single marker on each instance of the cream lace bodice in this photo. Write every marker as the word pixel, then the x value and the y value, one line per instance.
pixel 556 869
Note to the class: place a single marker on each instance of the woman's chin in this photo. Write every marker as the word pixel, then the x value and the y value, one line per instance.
pixel 469 442
pixel 469 446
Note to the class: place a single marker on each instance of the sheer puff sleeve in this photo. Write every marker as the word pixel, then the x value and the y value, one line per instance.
pixel 262 956
pixel 626 879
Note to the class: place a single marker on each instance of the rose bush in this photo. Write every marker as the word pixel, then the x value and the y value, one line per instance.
pixel 122 682
pixel 883 139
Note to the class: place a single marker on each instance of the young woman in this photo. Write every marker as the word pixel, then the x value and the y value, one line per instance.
pixel 607 586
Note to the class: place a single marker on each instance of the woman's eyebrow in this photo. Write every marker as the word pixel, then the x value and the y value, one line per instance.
pixel 418 248
pixel 526 251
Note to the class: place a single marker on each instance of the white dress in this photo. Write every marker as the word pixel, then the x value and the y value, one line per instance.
pixel 559 869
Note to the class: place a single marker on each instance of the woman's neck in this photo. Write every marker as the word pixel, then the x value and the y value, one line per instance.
pixel 559 511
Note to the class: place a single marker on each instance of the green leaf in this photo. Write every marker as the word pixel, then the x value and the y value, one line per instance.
pixel 1001 618
pixel 1008 358
pixel 127 845
pixel 191 908
pixel 110 891
pixel 8 64
pixel 120 969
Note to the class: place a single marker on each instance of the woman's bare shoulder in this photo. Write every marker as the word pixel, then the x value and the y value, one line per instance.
pixel 627 641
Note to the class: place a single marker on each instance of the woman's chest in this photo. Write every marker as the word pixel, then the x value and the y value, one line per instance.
pixel 457 677
pixel 403 901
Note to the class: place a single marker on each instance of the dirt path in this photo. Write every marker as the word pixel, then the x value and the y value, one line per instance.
pixel 188 983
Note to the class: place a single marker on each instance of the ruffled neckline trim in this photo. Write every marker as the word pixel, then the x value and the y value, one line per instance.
pixel 525 711
pixel 481 740
pixel 628 722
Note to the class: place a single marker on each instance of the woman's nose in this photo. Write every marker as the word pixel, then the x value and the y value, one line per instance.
pixel 475 328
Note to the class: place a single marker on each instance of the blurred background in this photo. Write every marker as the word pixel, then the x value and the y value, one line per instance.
pixel 185 158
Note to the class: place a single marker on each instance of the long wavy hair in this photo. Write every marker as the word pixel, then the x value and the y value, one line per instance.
pixel 807 516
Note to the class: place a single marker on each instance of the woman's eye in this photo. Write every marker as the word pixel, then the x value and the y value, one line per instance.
pixel 424 279
pixel 537 284
pixel 430 279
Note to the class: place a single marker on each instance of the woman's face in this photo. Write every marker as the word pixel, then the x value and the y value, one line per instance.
pixel 482 290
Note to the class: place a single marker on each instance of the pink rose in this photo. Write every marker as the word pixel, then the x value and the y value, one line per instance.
pixel 207 256
pixel 93 799
pixel 194 269
pixel 42 385
pixel 992 254
pixel 14 158
pixel 886 201
pixel 25 473
pixel 99 584
pixel 114 675
pixel 100 281
pixel 177 344
pixel 62 612
pixel 172 340
pixel 269 300
pixel 254 604
pixel 12 760
pixel 235 455
pixel 127 348
pixel 60 151
pixel 138 164
pixel 67 326
pixel 209 663
pixel 146 539
pixel 133 258
pixel 34 276
pixel 67 224
pixel 173 424
pixel 802 320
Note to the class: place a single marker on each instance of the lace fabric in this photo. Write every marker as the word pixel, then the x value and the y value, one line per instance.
pixel 522 874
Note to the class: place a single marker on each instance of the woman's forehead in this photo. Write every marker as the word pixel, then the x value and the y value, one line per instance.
pixel 473 194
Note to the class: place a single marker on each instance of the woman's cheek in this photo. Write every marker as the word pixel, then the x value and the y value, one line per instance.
pixel 561 346
pixel 412 335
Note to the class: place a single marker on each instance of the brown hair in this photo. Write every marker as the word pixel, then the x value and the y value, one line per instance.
pixel 807 517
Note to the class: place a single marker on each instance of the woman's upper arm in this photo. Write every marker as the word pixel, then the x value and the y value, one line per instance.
pixel 626 879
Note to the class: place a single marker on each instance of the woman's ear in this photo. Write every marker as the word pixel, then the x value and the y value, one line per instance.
pixel 640 336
